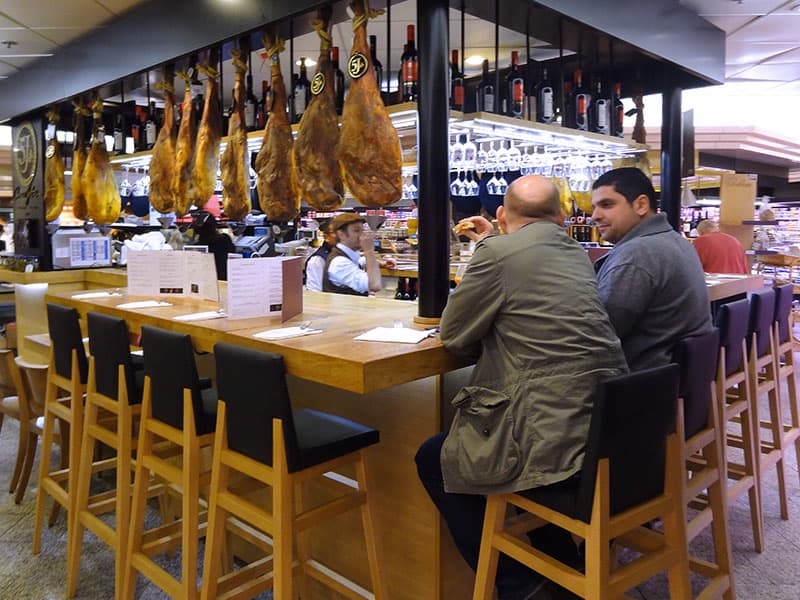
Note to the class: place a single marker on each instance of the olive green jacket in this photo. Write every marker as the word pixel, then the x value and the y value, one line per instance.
pixel 529 312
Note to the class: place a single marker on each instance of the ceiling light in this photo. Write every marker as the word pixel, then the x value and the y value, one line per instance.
pixel 310 62
pixel 41 55
pixel 474 61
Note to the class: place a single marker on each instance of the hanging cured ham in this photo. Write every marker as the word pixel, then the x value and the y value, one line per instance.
pixel 319 176
pixel 53 175
pixel 277 187
pixel 79 155
pixel 234 163
pixel 162 162
pixel 209 134
pixel 184 152
pixel 369 148
pixel 99 186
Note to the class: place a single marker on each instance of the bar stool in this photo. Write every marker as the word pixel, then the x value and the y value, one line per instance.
pixel 630 476
pixel 258 435
pixel 67 371
pixel 702 452
pixel 763 377
pixel 11 405
pixel 736 404
pixel 113 405
pixel 175 410
pixel 33 379
pixel 784 358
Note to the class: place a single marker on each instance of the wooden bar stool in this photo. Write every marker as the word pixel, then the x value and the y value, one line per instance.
pixel 784 358
pixel 175 410
pixel 67 372
pixel 763 377
pixel 704 486
pixel 11 405
pixel 113 404
pixel 631 475
pixel 736 404
pixel 260 437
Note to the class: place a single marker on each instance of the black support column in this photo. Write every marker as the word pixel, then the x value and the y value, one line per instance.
pixel 432 158
pixel 671 155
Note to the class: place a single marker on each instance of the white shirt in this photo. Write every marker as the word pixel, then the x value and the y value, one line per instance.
pixel 348 272
pixel 314 269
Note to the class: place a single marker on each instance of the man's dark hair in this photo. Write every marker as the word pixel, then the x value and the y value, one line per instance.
pixel 630 182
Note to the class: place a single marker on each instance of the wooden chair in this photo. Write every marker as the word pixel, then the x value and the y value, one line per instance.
pixel 33 379
pixel 260 437
pixel 736 404
pixel 113 405
pixel 763 376
pixel 784 358
pixel 177 411
pixel 704 486
pixel 631 475
pixel 11 401
pixel 67 372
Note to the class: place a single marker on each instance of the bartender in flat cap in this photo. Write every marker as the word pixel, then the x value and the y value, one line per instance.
pixel 346 270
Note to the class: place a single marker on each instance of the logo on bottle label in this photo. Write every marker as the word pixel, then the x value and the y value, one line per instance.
pixel 357 65
pixel 50 152
pixel 317 83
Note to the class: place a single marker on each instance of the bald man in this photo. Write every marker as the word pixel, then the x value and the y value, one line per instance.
pixel 719 252
pixel 528 311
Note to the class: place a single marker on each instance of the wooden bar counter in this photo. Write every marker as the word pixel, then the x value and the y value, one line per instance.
pixel 403 390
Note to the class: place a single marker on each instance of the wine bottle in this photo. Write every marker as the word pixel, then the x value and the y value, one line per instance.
pixel 119 135
pixel 301 92
pixel 599 113
pixel 150 128
pixel 545 99
pixel 515 89
pixel 338 80
pixel 580 101
pixel 486 95
pixel 617 112
pixel 409 68
pixel 400 75
pixel 136 129
pixel 377 67
pixel 250 105
pixel 568 118
pixel 456 83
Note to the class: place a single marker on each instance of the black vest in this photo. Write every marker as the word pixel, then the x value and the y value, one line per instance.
pixel 324 250
pixel 328 286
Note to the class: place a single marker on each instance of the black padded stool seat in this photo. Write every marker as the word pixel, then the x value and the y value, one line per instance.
pixel 630 475
pixel 260 436
pixel 762 313
pixel 697 357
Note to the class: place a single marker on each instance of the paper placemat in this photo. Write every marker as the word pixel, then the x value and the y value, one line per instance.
pixel 402 335
pixel 201 316
pixel 143 304
pixel 285 332
pixel 89 295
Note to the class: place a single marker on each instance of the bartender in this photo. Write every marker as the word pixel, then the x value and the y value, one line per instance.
pixel 315 264
pixel 347 271
pixel 219 244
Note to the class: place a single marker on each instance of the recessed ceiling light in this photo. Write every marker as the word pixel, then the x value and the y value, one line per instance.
pixel 474 61
pixel 310 62
pixel 26 55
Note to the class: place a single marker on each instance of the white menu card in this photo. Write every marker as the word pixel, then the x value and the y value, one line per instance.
pixel 186 274
pixel 262 287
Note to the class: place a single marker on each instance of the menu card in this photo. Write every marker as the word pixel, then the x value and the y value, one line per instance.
pixel 186 274
pixel 262 287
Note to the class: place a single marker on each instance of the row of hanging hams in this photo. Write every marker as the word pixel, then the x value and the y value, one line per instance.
pixel 364 153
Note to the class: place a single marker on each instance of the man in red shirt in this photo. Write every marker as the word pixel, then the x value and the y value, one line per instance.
pixel 719 252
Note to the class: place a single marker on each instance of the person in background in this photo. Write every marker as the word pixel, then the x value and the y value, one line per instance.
pixel 315 263
pixel 219 244
pixel 528 310
pixel 651 282
pixel 346 271
pixel 719 252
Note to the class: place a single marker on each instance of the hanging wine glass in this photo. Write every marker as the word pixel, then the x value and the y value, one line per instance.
pixel 491 158
pixel 492 185
pixel 483 157
pixel 514 157
pixel 501 157
pixel 455 186
pixel 472 184
pixel 502 184
pixel 125 187
pixel 456 154
pixel 470 154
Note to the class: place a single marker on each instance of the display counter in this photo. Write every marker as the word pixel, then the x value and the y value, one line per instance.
pixel 69 279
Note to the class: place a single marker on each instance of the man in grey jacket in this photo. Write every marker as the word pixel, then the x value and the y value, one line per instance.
pixel 528 310
pixel 651 282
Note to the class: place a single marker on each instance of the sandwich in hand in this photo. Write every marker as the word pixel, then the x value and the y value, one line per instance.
pixel 463 226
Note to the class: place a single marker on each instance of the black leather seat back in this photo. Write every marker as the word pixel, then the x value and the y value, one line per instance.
pixel 631 419
pixel 697 357
pixel 169 363
pixel 109 345
pixel 784 296
pixel 253 386
pixel 762 315
pixel 65 335
pixel 732 320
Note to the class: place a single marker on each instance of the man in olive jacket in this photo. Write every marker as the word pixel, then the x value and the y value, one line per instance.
pixel 528 310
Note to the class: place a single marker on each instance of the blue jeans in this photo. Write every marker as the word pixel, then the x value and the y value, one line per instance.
pixel 463 514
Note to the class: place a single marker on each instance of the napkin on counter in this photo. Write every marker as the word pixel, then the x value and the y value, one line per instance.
pixel 201 316
pixel 89 295
pixel 403 335
pixel 143 304
pixel 285 332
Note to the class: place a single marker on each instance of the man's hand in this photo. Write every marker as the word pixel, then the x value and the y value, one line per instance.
pixel 387 263
pixel 367 242
pixel 482 229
